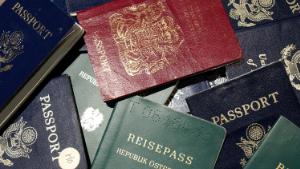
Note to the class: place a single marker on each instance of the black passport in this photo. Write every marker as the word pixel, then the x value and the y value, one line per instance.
pixel 247 107
pixel 47 133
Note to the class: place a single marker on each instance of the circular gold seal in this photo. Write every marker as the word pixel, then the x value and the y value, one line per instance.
pixel 266 3
pixel 255 132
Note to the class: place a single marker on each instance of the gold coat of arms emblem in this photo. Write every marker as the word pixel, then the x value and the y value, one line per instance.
pixel 10 47
pixel 249 12
pixel 147 37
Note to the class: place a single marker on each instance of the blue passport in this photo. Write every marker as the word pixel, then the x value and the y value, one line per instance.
pixel 247 107
pixel 268 43
pixel 31 38
pixel 193 85
pixel 74 6
pixel 249 13
pixel 47 133
pixel 61 4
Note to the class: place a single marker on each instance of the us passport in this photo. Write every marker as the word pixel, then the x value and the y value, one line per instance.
pixel 247 107
pixel 35 37
pixel 47 132
pixel 143 134
pixel 94 113
pixel 268 43
pixel 244 14
pixel 280 148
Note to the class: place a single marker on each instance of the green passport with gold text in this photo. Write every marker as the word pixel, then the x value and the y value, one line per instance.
pixel 143 135
pixel 280 148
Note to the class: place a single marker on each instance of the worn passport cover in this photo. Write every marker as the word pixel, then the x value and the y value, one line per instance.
pixel 244 13
pixel 247 107
pixel 135 45
pixel 280 148
pixel 93 111
pixel 143 134
pixel 47 132
pixel 74 6
pixel 27 39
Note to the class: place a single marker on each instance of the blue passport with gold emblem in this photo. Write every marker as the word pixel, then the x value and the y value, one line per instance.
pixel 247 107
pixel 34 37
pixel 268 43
pixel 47 133
pixel 249 13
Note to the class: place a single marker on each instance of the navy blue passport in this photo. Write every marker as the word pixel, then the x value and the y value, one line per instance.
pixel 249 13
pixel 268 43
pixel 32 35
pixel 247 107
pixel 74 6
pixel 47 133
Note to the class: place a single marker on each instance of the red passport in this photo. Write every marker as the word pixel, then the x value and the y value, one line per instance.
pixel 135 45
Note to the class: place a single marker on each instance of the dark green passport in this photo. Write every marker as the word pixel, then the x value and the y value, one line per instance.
pixel 142 135
pixel 280 148
pixel 93 111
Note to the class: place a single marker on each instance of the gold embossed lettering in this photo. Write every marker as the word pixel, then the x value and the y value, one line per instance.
pixel 294 5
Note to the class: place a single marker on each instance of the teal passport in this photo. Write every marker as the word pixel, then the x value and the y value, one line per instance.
pixel 144 135
pixel 280 148
pixel 93 111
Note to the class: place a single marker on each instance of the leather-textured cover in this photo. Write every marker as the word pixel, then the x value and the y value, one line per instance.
pixel 25 42
pixel 135 45
pixel 269 43
pixel 248 14
pixel 93 111
pixel 247 107
pixel 143 134
pixel 47 133
pixel 280 148
pixel 77 5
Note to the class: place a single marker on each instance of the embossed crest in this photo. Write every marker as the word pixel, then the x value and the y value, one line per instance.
pixel 10 47
pixel 254 135
pixel 91 119
pixel 147 37
pixel 249 12
pixel 291 58
pixel 16 140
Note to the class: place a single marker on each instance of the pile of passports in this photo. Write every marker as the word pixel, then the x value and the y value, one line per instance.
pixel 150 84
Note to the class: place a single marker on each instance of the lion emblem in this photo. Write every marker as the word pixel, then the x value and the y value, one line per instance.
pixel 254 135
pixel 10 47
pixel 91 119
pixel 249 12
pixel 15 142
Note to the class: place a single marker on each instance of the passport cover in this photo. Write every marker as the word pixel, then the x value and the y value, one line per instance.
pixel 30 34
pixel 269 43
pixel 77 5
pixel 191 86
pixel 244 14
pixel 93 111
pixel 135 45
pixel 143 134
pixel 61 4
pixel 47 133
pixel 279 149
pixel 247 107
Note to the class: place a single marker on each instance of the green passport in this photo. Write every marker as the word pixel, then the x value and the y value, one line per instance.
pixel 143 135
pixel 94 113
pixel 280 148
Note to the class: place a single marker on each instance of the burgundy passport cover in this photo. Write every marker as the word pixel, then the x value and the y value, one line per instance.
pixel 134 45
